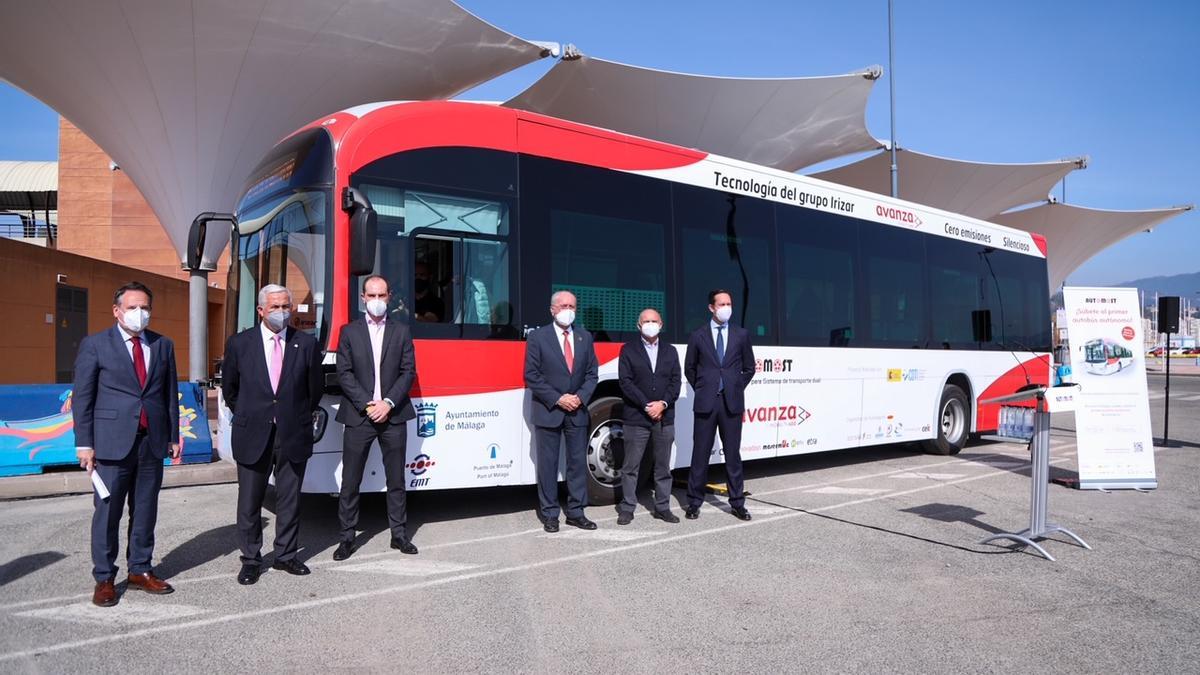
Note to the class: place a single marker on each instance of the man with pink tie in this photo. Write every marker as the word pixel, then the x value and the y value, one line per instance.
pixel 272 383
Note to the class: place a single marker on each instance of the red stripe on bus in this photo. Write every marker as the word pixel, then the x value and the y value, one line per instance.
pixel 458 367
pixel 987 417
pixel 1040 241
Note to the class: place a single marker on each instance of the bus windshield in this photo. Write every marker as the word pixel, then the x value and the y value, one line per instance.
pixel 283 219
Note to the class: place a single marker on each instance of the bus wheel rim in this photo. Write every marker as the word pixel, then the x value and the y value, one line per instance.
pixel 600 457
pixel 953 420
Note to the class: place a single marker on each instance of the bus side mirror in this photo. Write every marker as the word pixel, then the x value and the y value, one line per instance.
pixel 981 325
pixel 198 235
pixel 363 231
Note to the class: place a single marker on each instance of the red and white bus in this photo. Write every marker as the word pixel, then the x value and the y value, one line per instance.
pixel 874 320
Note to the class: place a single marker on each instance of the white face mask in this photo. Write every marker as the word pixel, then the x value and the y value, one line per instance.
pixel 565 317
pixel 650 329
pixel 376 307
pixel 135 320
pixel 277 320
pixel 724 312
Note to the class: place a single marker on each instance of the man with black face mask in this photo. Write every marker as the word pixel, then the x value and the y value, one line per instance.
pixel 429 306
pixel 272 383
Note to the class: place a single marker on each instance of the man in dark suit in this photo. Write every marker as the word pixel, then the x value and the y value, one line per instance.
pixel 649 374
pixel 126 413
pixel 272 383
pixel 561 373
pixel 376 369
pixel 719 366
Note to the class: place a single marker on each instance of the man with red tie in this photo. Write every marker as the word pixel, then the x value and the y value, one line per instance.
pixel 561 373
pixel 126 413
pixel 272 383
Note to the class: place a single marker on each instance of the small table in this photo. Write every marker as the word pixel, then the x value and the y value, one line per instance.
pixel 1040 477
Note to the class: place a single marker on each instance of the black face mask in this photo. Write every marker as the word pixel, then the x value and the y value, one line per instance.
pixel 421 285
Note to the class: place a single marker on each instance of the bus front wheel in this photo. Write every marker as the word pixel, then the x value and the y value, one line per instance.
pixel 605 450
pixel 954 423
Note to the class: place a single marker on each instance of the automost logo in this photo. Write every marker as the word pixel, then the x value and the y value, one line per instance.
pixel 419 466
pixel 778 415
pixel 773 365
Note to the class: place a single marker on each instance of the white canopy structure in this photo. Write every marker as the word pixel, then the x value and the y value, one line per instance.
pixel 28 186
pixel 784 123
pixel 1074 233
pixel 978 189
pixel 187 95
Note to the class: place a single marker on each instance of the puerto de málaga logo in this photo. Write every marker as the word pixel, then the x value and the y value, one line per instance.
pixel 426 419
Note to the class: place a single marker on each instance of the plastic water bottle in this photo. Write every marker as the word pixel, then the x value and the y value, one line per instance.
pixel 1005 421
pixel 1027 426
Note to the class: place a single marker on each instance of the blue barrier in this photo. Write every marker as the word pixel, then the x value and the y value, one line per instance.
pixel 36 429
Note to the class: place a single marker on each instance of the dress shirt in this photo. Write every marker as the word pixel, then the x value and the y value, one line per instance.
pixel 375 329
pixel 652 352
pixel 558 337
pixel 126 336
pixel 269 345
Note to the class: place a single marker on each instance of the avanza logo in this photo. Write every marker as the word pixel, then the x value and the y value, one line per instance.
pixel 899 215
pixel 779 414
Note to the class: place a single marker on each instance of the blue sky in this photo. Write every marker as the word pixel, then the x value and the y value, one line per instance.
pixel 1014 81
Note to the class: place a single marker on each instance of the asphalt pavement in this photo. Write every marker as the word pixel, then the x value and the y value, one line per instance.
pixel 864 560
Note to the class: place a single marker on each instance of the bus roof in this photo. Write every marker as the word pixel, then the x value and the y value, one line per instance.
pixel 367 132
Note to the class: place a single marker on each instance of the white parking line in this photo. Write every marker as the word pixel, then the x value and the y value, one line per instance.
pixel 178 627
pixel 407 567
pixel 601 535
pixel 928 476
pixel 127 613
pixel 838 490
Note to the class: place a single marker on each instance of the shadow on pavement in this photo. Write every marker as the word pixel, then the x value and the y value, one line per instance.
pixel 884 530
pixel 27 564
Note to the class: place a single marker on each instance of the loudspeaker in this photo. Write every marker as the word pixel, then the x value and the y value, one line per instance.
pixel 1168 314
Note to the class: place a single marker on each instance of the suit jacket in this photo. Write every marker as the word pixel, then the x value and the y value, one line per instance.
pixel 704 373
pixel 356 371
pixel 107 400
pixel 546 375
pixel 640 385
pixel 246 385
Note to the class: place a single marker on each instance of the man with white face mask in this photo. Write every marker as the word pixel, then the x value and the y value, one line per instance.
pixel 561 373
pixel 126 412
pixel 272 383
pixel 375 368
pixel 649 374
pixel 719 366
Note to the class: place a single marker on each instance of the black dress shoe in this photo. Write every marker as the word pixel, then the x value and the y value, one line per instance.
pixel 740 513
pixel 624 518
pixel 550 525
pixel 344 550
pixel 404 546
pixel 292 566
pixel 692 512
pixel 249 574
pixel 666 516
pixel 583 523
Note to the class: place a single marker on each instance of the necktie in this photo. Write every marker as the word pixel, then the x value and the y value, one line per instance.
pixel 377 353
pixel 567 351
pixel 721 354
pixel 139 368
pixel 276 362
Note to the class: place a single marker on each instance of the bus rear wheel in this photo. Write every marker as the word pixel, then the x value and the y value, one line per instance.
pixel 954 423
pixel 605 450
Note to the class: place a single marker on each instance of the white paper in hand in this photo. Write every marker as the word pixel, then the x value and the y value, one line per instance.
pixel 101 488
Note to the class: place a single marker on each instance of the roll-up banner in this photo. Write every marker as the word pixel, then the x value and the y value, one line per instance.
pixel 1112 419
